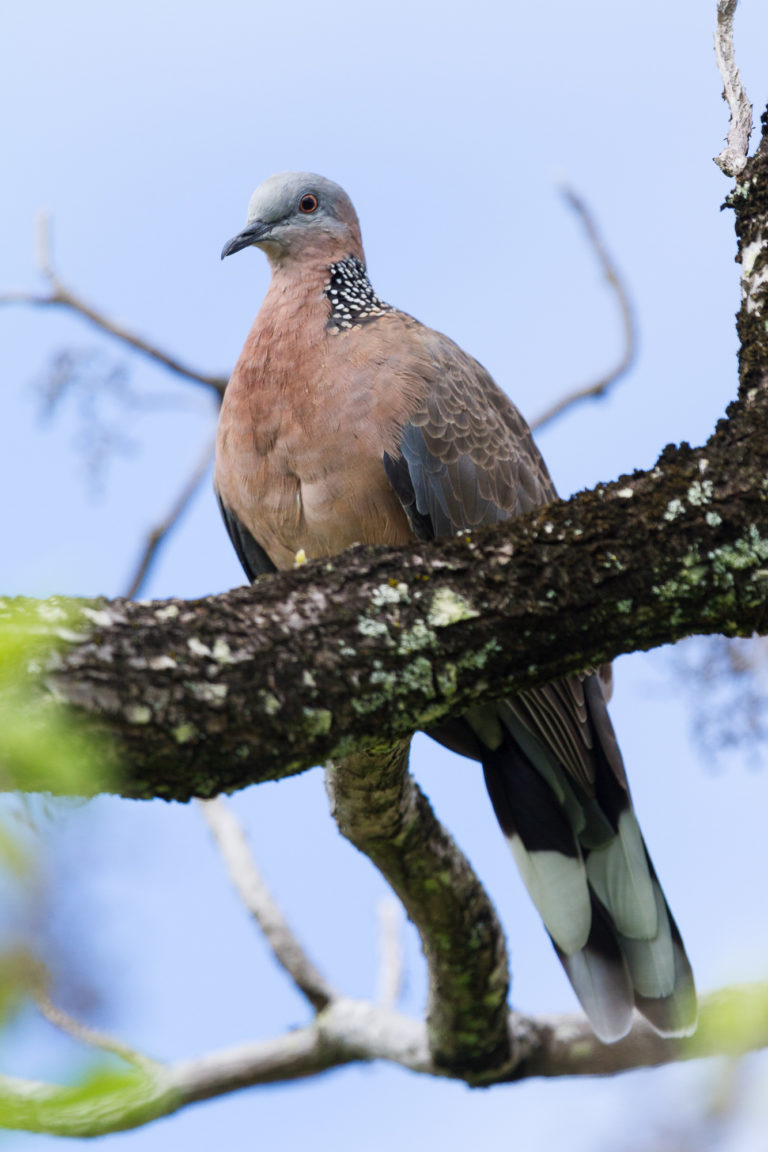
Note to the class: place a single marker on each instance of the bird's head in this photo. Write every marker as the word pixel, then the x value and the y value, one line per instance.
pixel 296 215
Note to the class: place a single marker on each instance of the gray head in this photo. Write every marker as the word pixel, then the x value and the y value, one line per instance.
pixel 297 214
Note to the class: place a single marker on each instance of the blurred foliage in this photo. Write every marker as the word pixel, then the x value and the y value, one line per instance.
pixel 40 739
pixel 737 1024
pixel 105 1099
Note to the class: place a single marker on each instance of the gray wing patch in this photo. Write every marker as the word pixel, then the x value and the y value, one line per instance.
pixel 251 555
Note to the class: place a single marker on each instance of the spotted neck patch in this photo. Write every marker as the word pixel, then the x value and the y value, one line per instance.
pixel 351 295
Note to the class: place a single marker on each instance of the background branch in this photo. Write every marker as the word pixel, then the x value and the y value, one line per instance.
pixel 390 975
pixel 85 1035
pixel 252 890
pixel 163 529
pixel 733 157
pixel 61 296
pixel 350 1031
pixel 604 383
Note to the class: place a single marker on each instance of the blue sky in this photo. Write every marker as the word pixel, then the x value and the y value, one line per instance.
pixel 143 131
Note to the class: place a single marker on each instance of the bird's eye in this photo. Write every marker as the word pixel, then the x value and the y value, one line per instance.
pixel 308 203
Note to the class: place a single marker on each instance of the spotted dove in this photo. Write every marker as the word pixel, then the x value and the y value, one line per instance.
pixel 346 421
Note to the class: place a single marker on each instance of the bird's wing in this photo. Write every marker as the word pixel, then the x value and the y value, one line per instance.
pixel 466 460
pixel 250 554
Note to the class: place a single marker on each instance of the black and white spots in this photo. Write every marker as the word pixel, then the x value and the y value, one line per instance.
pixel 351 295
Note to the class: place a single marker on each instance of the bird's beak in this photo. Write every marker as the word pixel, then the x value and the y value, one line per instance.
pixel 251 234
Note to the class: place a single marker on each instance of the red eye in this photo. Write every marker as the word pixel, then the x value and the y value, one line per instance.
pixel 308 203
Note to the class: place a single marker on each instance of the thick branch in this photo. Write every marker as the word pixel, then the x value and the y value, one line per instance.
pixel 380 808
pixel 262 682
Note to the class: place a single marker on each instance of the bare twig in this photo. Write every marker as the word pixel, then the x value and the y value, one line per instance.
pixel 351 1031
pixel 288 952
pixel 85 1035
pixel 61 296
pixel 597 388
pixel 165 526
pixel 390 952
pixel 734 156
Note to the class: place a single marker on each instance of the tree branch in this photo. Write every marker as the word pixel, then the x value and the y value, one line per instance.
pixel 262 682
pixel 345 654
pixel 733 1021
pixel 161 531
pixel 733 157
pixel 600 387
pixel 390 978
pixel 85 1035
pixel 62 297
pixel 230 838
pixel 343 659
pixel 379 807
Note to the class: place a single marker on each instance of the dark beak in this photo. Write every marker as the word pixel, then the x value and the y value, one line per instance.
pixel 251 234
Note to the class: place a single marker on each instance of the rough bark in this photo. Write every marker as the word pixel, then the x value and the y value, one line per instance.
pixel 380 808
pixel 342 661
pixel 258 683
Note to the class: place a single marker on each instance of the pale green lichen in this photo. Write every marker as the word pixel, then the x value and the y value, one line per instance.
pixel 317 721
pixel 449 607
pixel 162 663
pixel 374 628
pixel 138 714
pixel 416 638
pixel 387 680
pixel 395 593
pixel 741 555
pixel 197 648
pixel 208 693
pixel 221 651
pixel 624 606
pixel 447 679
pixel 713 519
pixel 417 677
pixel 170 612
pixel 308 679
pixel 184 733
pixel 98 617
pixel 370 704
pixel 700 492
pixel 270 703
pixel 675 508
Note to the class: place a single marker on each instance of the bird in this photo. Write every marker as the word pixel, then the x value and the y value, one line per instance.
pixel 347 421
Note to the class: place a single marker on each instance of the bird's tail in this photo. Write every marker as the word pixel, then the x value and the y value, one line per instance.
pixel 584 862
